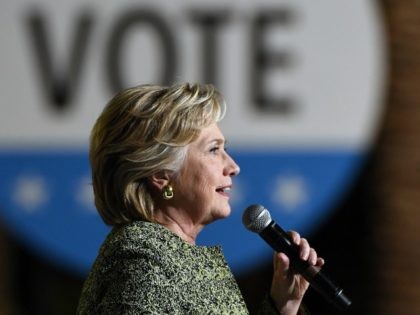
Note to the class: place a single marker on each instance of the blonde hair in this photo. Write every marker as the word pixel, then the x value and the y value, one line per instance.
pixel 141 131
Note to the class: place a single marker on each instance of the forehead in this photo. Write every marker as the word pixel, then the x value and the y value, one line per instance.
pixel 209 134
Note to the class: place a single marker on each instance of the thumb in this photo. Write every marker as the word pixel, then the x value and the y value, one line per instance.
pixel 281 264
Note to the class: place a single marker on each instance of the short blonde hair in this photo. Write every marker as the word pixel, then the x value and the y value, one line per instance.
pixel 141 131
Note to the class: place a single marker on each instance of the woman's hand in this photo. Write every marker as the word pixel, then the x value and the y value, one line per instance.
pixel 288 287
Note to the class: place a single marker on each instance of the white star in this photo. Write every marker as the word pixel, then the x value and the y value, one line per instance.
pixel 290 192
pixel 30 192
pixel 84 193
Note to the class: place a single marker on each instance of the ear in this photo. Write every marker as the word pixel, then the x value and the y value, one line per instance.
pixel 160 179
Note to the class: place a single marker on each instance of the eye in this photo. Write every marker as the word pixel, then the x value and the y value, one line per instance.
pixel 214 149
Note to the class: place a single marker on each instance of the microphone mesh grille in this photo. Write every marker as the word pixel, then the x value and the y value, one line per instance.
pixel 256 218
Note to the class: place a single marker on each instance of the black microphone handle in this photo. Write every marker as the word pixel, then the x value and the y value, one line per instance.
pixel 280 241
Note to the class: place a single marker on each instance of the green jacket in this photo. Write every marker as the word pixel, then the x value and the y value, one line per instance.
pixel 143 268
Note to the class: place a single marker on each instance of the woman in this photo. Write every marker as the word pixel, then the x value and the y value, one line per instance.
pixel 160 175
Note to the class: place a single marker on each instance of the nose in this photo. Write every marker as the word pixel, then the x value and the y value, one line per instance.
pixel 231 169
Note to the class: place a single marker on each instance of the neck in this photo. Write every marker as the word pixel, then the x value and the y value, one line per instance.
pixel 178 224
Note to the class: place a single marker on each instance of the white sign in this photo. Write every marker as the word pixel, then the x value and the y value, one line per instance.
pixel 303 81
pixel 320 63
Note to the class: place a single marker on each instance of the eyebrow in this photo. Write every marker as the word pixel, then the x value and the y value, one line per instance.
pixel 218 141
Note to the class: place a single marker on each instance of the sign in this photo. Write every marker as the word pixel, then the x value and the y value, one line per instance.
pixel 303 82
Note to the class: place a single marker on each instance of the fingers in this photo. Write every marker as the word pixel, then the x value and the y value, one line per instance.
pixel 287 285
pixel 320 262
pixel 305 251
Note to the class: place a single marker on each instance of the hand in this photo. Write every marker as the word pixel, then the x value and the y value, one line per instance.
pixel 288 287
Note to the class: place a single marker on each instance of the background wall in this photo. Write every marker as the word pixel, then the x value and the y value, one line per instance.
pixel 371 243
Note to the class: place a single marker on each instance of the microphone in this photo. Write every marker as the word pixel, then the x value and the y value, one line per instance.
pixel 257 219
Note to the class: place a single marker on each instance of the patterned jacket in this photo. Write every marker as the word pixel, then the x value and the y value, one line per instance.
pixel 143 268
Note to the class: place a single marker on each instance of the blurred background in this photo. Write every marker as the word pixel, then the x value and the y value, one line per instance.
pixel 323 117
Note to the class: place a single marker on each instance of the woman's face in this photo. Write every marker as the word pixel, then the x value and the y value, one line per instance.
pixel 202 188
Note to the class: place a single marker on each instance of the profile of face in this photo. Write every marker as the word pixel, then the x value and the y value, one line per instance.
pixel 202 187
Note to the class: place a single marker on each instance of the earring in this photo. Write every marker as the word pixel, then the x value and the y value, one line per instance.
pixel 168 192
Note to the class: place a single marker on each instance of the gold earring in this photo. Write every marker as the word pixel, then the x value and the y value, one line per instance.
pixel 168 192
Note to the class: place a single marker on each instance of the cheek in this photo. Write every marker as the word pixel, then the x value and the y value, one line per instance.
pixel 194 187
pixel 200 180
pixel 202 189
pixel 202 185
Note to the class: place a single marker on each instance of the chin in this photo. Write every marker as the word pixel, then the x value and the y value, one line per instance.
pixel 223 213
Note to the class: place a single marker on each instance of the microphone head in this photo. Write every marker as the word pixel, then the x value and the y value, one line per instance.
pixel 256 218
